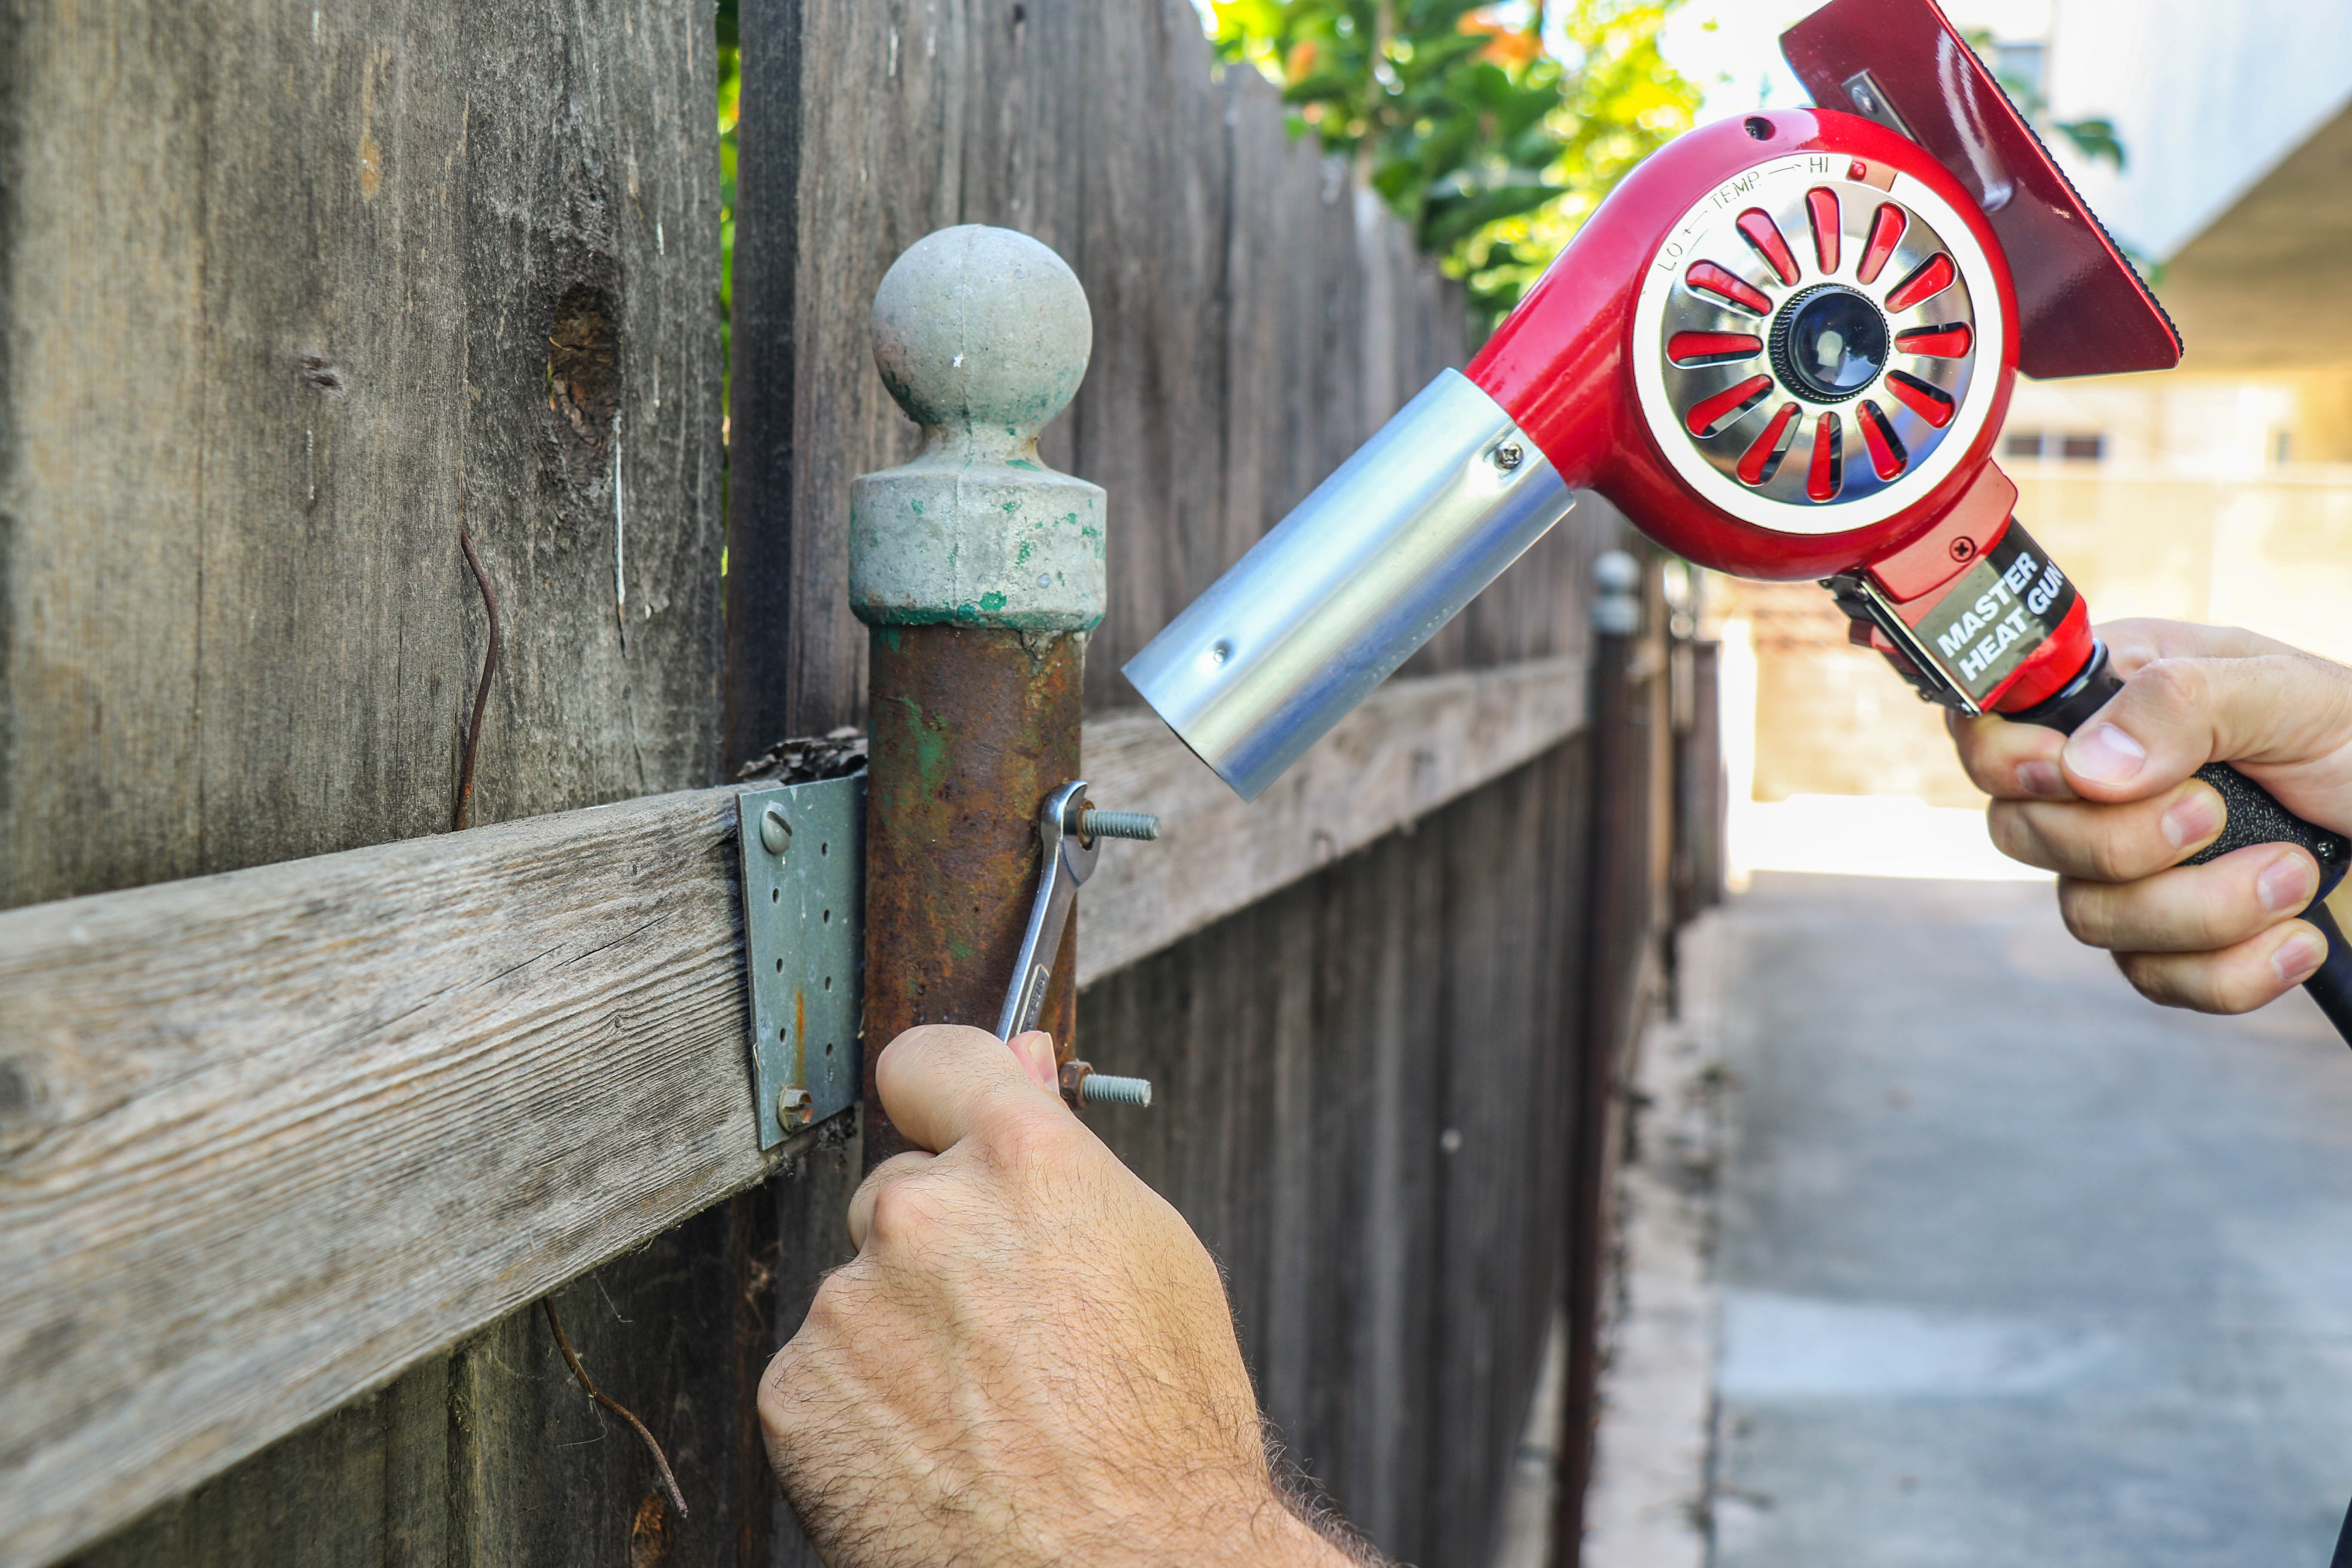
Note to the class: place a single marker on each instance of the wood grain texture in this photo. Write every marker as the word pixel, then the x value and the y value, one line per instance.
pixel 853 116
pixel 279 285
pixel 446 1077
pixel 1309 1057
pixel 1255 317
pixel 290 1130
pixel 1414 745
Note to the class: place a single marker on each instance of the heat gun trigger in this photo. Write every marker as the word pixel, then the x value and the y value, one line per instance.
pixel 1070 833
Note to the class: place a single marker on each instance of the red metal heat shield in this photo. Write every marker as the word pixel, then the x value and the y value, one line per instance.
pixel 2083 309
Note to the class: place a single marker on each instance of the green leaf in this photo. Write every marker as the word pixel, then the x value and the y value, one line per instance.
pixel 2094 139
pixel 1453 219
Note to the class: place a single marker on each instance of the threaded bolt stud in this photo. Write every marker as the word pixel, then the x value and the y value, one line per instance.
pixel 1139 825
pixel 1109 1089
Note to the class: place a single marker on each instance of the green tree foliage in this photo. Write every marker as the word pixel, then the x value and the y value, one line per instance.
pixel 1461 116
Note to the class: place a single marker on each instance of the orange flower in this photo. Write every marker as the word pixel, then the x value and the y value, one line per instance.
pixel 1301 60
pixel 1505 46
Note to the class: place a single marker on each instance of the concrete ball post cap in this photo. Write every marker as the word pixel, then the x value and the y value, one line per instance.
pixel 981 327
pixel 1616 571
pixel 981 334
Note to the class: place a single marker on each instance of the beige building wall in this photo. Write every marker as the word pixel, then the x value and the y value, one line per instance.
pixel 2211 499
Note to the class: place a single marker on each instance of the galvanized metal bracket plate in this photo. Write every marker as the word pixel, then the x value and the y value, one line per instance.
pixel 803 857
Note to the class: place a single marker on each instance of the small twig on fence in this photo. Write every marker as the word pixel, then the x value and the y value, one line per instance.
pixel 489 665
pixel 580 1376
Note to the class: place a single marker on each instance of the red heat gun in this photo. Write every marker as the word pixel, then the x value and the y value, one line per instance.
pixel 1783 347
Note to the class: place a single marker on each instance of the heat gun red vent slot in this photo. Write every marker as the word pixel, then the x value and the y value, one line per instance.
pixel 1757 227
pixel 1932 404
pixel 1822 209
pixel 1885 230
pixel 1937 342
pixel 1712 348
pixel 1763 459
pixel 1709 278
pixel 1709 415
pixel 1828 475
pixel 1934 275
pixel 1887 457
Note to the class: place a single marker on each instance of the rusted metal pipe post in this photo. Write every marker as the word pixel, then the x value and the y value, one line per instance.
pixel 979 572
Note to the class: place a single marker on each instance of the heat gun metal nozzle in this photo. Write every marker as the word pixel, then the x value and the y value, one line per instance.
pixel 1367 569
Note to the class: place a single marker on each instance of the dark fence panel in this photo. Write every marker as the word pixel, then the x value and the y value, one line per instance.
pixel 1364 1088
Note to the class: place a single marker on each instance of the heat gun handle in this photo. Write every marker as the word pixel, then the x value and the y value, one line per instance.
pixel 2251 815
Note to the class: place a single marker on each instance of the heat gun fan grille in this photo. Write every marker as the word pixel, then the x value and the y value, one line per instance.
pixel 1814 341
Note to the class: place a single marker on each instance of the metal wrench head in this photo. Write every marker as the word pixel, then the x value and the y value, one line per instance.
pixel 1067 860
pixel 1057 832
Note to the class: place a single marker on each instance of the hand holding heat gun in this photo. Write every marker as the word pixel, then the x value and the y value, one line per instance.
pixel 1783 347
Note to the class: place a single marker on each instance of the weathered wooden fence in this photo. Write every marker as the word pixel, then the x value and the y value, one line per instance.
pixel 299 302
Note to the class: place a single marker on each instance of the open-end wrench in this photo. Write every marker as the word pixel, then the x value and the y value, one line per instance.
pixel 1070 833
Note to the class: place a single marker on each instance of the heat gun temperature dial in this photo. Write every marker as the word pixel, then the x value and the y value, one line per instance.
pixel 1808 343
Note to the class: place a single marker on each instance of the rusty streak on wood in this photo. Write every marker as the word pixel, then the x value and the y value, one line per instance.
pixel 270 1137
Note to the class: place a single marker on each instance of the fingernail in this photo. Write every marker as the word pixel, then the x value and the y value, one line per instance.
pixel 2286 883
pixel 1035 1050
pixel 2298 956
pixel 2192 819
pixel 2105 755
pixel 2041 780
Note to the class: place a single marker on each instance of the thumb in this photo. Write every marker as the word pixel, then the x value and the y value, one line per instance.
pixel 2270 712
pixel 938 1081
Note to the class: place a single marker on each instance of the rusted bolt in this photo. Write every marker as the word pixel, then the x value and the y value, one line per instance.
pixel 1963 548
pixel 1081 1085
pixel 794 1107
pixel 1139 825
pixel 775 833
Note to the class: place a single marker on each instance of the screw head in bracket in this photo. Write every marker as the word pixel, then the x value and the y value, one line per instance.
pixel 794 1107
pixel 1509 456
pixel 775 833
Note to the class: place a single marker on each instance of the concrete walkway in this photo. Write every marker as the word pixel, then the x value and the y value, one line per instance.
pixel 2011 1268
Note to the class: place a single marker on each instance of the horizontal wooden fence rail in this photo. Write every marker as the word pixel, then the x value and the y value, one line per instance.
pixel 1412 746
pixel 267 1138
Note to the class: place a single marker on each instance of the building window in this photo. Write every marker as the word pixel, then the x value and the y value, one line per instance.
pixel 2040 444
pixel 2020 63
